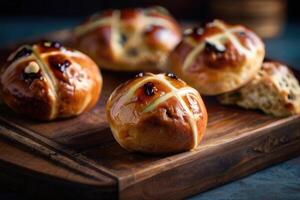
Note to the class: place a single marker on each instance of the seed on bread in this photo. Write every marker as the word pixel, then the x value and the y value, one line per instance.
pixel 274 90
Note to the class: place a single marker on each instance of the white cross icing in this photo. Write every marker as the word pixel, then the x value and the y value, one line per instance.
pixel 38 59
pixel 115 22
pixel 177 93
pixel 219 39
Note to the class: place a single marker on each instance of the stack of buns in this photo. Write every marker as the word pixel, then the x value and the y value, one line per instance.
pixel 151 113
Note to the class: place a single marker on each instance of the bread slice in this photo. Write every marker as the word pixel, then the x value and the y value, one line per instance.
pixel 275 90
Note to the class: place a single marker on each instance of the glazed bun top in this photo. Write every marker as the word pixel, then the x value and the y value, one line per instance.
pixel 129 39
pixel 157 105
pixel 220 56
pixel 47 81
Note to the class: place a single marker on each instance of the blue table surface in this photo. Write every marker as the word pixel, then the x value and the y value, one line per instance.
pixel 278 182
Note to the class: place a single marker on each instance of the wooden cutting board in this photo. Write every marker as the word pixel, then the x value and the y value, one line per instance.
pixel 78 157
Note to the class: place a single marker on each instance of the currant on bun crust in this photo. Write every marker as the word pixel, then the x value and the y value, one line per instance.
pixel 217 58
pixel 46 81
pixel 156 114
pixel 129 39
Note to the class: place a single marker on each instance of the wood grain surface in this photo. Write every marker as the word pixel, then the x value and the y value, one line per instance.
pixel 78 157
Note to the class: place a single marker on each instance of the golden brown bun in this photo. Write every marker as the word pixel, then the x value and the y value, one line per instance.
pixel 47 81
pixel 217 58
pixel 156 114
pixel 129 39
pixel 274 90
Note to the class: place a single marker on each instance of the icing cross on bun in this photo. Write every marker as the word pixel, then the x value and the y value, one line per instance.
pixel 129 39
pixel 46 81
pixel 156 114
pixel 217 58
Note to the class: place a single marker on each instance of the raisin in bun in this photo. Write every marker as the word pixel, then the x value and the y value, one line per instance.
pixel 129 39
pixel 47 81
pixel 274 90
pixel 217 58
pixel 156 114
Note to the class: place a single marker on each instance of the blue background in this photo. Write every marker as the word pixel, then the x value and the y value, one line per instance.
pixel 279 182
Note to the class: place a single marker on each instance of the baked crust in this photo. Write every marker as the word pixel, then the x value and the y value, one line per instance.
pixel 46 81
pixel 274 90
pixel 156 114
pixel 129 39
pixel 217 58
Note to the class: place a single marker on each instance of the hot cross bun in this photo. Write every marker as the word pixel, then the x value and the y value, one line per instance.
pixel 156 114
pixel 129 39
pixel 46 81
pixel 274 90
pixel 218 57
